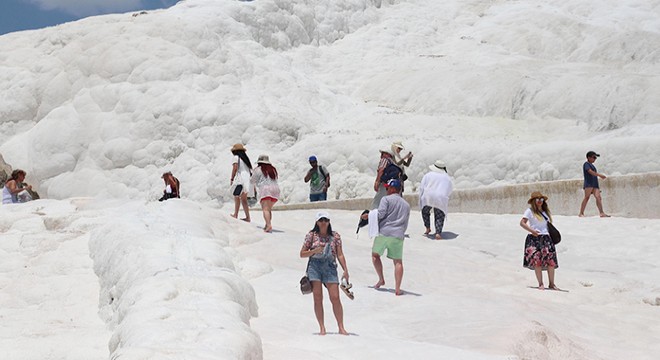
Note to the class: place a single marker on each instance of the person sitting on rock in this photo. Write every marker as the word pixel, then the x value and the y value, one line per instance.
pixel 14 191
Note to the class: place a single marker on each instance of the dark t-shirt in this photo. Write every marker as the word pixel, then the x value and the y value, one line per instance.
pixel 589 180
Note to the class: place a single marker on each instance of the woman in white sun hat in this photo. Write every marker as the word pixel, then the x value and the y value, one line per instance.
pixel 264 178
pixel 434 192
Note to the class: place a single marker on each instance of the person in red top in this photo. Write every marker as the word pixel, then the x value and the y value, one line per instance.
pixel 385 165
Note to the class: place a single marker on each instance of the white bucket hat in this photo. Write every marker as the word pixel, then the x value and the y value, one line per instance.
pixel 263 159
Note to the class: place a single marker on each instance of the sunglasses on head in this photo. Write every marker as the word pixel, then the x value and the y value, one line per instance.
pixel 324 220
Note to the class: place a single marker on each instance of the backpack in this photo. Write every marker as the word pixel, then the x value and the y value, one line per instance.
pixel 392 171
pixel 322 170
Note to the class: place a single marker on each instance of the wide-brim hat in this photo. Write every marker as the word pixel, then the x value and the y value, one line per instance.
pixel 238 147
pixel 536 195
pixel 438 166
pixel 263 159
pixel 386 151
pixel 398 144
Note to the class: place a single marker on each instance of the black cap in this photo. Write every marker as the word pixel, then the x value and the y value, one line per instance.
pixel 592 153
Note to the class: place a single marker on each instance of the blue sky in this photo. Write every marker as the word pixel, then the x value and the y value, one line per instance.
pixel 17 15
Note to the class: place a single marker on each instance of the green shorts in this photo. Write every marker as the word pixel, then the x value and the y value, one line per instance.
pixel 393 245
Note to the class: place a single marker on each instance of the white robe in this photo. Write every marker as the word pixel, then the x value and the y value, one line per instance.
pixel 434 190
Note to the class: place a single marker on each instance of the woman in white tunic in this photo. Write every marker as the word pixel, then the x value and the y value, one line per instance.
pixel 434 192
pixel 240 180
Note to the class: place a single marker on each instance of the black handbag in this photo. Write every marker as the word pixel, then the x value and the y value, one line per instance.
pixel 555 235
pixel 305 284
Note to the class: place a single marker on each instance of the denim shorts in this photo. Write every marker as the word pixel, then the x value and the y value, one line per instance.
pixel 323 270
pixel 318 197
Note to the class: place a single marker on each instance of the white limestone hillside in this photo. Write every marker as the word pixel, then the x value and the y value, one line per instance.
pixel 504 92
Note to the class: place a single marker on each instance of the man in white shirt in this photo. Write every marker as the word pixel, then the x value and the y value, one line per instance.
pixel 434 192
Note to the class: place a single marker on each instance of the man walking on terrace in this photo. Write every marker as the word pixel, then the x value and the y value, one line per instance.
pixel 393 214
pixel 591 176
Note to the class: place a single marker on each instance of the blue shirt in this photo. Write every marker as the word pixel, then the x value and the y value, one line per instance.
pixel 590 181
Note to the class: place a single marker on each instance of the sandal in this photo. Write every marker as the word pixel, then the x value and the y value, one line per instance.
pixel 345 286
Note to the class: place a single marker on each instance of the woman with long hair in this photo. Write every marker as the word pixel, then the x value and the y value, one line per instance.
pixel 240 180
pixel 323 248
pixel 171 187
pixel 264 179
pixel 540 253
pixel 13 186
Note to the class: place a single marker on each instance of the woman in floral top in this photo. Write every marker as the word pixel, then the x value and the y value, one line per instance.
pixel 540 251
pixel 323 248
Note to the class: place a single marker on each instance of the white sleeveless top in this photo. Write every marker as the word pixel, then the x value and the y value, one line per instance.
pixel 8 197
pixel 242 175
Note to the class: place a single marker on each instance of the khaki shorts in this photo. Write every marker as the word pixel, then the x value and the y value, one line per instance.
pixel 394 247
